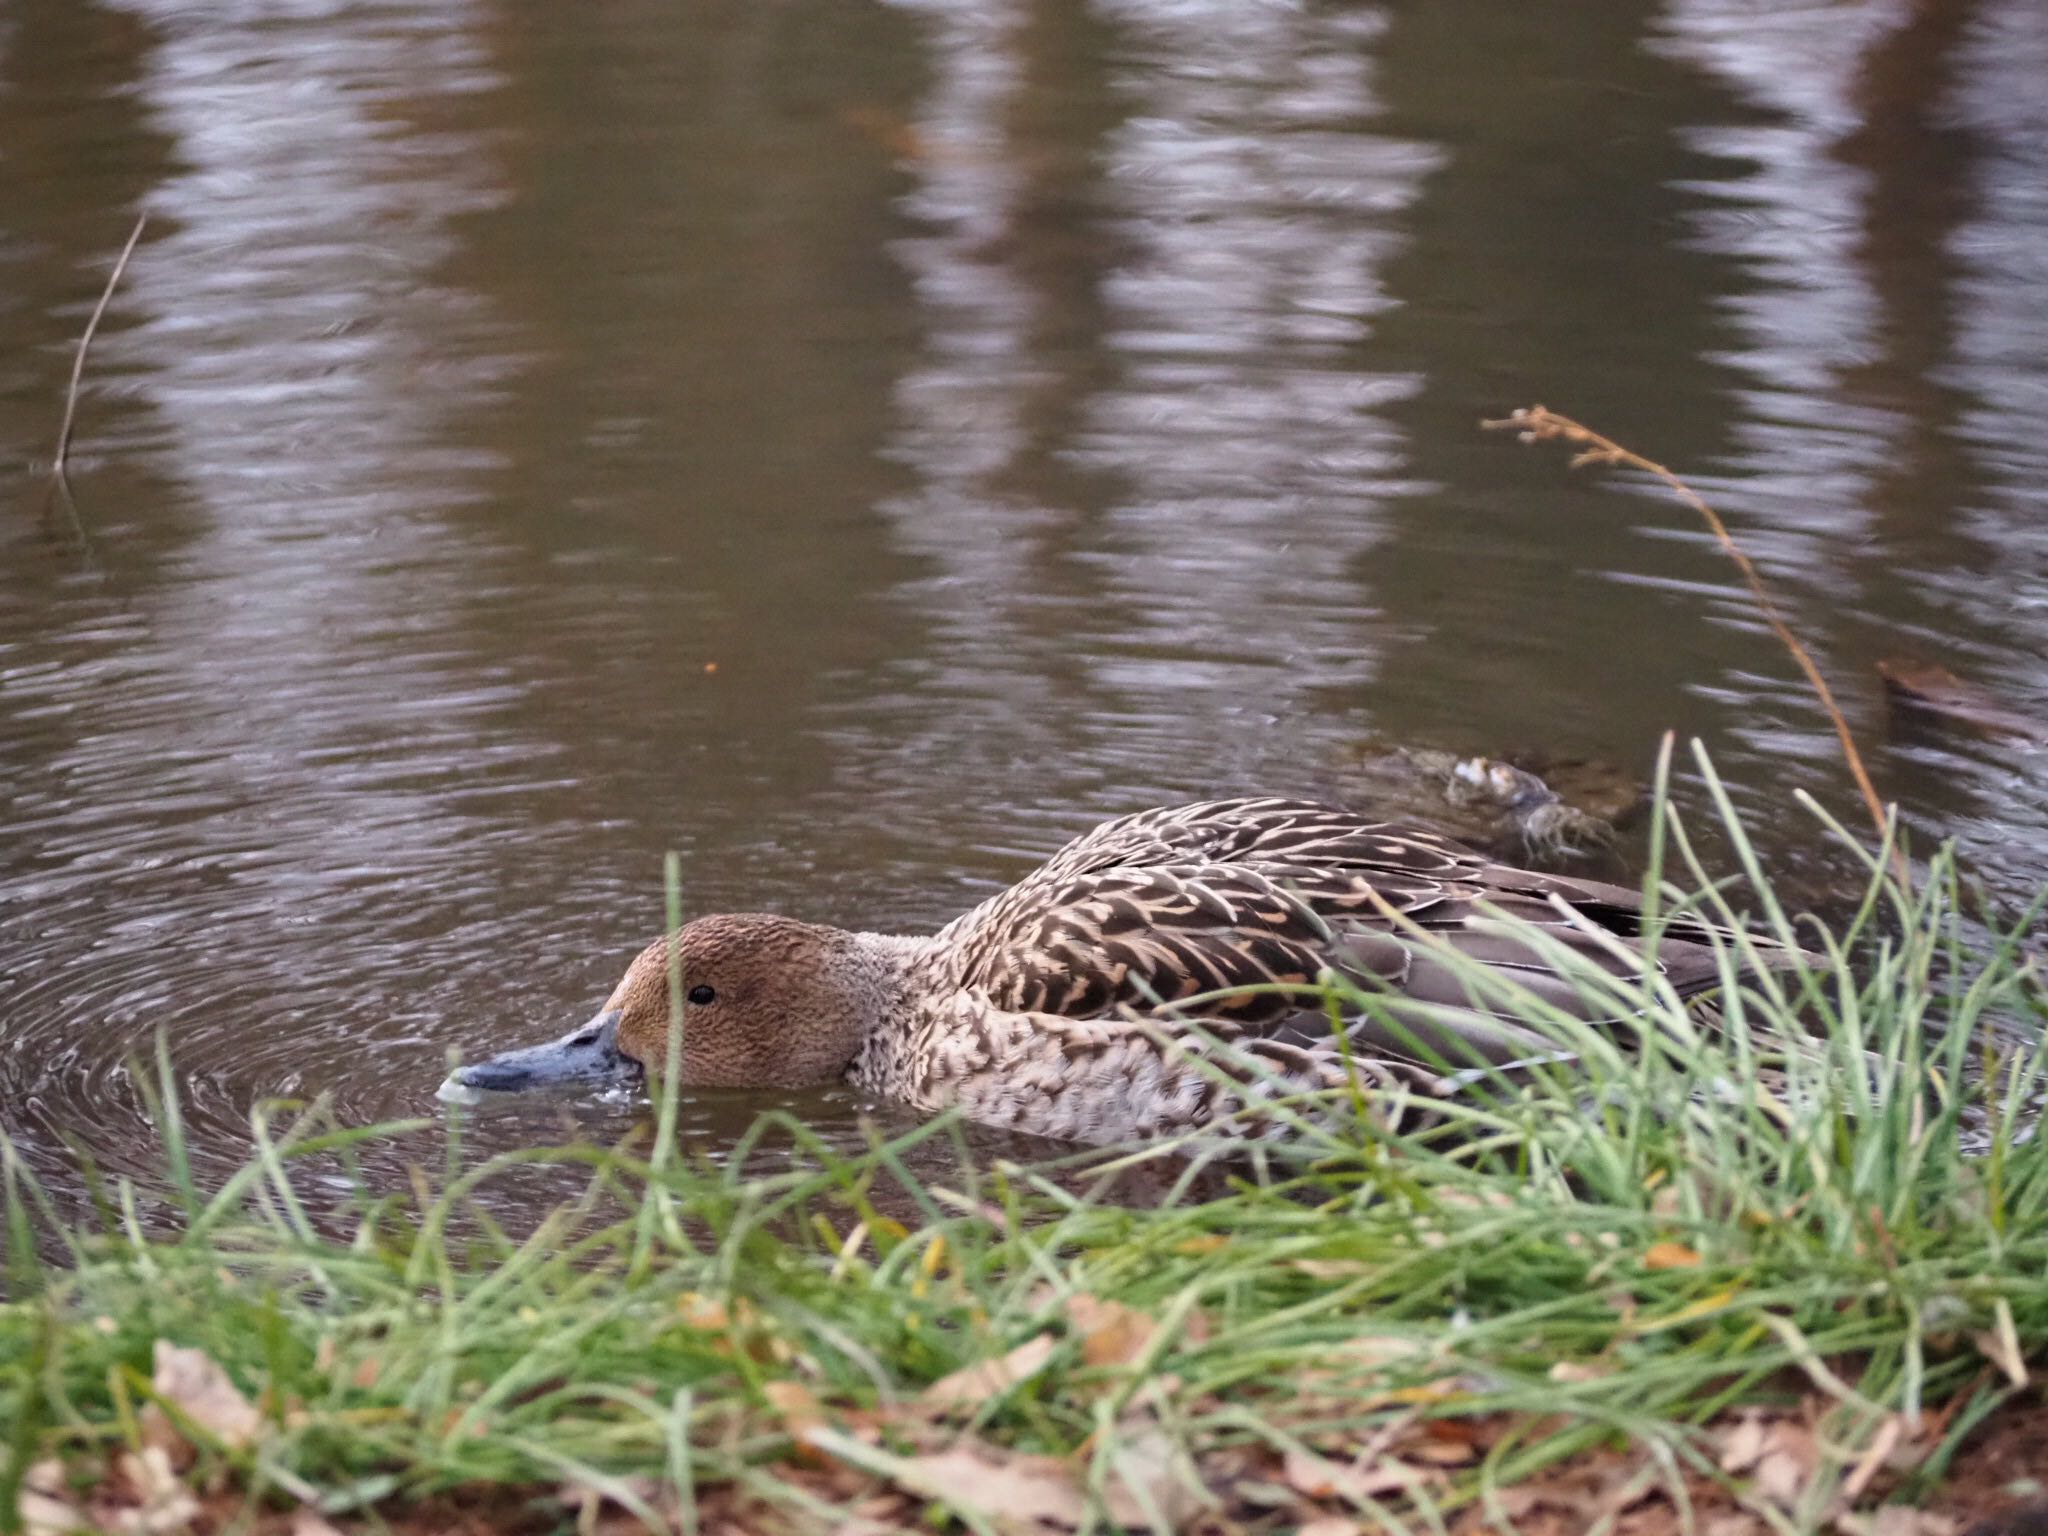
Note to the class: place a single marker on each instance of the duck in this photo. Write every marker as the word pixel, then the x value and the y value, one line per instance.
pixel 1165 972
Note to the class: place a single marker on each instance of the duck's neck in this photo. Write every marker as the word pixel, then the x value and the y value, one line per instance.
pixel 894 975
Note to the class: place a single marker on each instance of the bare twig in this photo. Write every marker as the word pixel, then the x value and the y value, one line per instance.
pixel 1539 424
pixel 85 341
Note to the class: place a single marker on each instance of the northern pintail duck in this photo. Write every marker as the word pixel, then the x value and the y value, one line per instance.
pixel 1063 1005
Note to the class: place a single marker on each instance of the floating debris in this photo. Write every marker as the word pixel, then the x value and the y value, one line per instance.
pixel 1520 806
pixel 1928 690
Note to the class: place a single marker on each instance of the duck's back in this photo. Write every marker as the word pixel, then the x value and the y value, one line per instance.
pixel 1171 904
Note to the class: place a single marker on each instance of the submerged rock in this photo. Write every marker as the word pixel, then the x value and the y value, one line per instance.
pixel 1520 806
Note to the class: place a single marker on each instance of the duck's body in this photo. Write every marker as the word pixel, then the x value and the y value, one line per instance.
pixel 1083 1001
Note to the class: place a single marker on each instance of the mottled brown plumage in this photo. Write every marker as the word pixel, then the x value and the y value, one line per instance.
pixel 1075 1004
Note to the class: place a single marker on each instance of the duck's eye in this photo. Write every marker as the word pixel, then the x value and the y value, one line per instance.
pixel 702 995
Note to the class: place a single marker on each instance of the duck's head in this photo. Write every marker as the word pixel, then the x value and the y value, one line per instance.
pixel 768 1002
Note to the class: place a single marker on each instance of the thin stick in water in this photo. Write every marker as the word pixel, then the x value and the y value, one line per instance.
pixel 85 341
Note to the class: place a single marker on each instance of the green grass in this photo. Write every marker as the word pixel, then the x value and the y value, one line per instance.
pixel 1606 1256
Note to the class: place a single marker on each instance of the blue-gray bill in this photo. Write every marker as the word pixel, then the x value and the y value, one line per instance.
pixel 589 1053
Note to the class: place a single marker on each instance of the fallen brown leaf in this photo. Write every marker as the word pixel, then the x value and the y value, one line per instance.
pixel 1669 1255
pixel 1897 1520
pixel 588 1498
pixel 1743 1444
pixel 1013 1491
pixel 191 1382
pixel 1779 1454
pixel 974 1384
pixel 1518 1501
pixel 796 1403
pixel 1321 1479
pixel 1627 1486
pixel 45 1503
pixel 703 1312
pixel 1443 1453
pixel 1111 1333
pixel 1150 1479
pixel 163 1504
pixel 1787 1467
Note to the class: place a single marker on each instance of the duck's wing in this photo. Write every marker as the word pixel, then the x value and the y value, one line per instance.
pixel 1237 898
pixel 1252 829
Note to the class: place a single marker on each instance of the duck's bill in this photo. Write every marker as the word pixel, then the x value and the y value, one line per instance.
pixel 589 1053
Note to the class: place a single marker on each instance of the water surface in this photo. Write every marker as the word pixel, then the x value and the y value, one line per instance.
pixel 858 446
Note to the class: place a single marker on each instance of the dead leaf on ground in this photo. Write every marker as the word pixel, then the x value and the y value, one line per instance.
pixel 1779 1454
pixel 1629 1486
pixel 163 1504
pixel 194 1384
pixel 1443 1453
pixel 1150 1479
pixel 800 1409
pixel 1111 1333
pixel 1518 1501
pixel 1014 1491
pixel 1330 1525
pixel 1669 1255
pixel 1322 1479
pixel 1897 1520
pixel 1742 1445
pixel 972 1385
pixel 588 1499
pixel 45 1502
pixel 707 1314
pixel 310 1522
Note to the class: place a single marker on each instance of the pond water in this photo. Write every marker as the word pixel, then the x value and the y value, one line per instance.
pixel 858 445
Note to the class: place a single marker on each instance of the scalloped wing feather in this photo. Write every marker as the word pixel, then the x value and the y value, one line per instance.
pixel 1246 898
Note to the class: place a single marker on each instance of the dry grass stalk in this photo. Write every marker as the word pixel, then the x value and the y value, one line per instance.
pixel 85 341
pixel 1540 424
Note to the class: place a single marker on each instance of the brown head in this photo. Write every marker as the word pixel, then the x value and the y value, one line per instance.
pixel 768 1002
